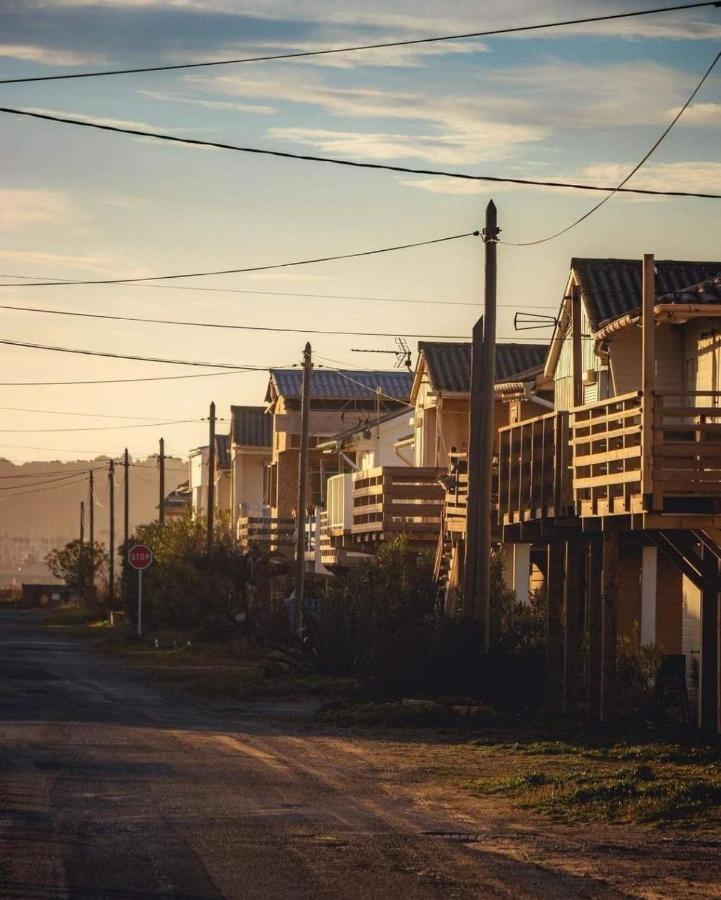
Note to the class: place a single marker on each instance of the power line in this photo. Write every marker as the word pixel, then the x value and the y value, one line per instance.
pixel 42 474
pixel 94 415
pixel 131 380
pixel 301 54
pixel 36 490
pixel 354 164
pixel 285 265
pixel 630 175
pixel 66 477
pixel 98 427
pixel 272 328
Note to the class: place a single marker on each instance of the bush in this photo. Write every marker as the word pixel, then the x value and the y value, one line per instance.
pixel 79 564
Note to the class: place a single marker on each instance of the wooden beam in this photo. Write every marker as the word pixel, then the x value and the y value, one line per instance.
pixel 571 610
pixel 576 345
pixel 554 647
pixel 648 372
pixel 594 624
pixel 609 626
pixel 709 675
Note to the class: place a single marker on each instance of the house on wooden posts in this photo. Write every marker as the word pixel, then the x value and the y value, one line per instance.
pixel 222 474
pixel 250 439
pixel 372 443
pixel 621 484
pixel 337 399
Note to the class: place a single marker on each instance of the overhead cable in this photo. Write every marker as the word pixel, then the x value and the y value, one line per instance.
pixel 630 175
pixel 355 164
pixel 131 380
pixel 99 427
pixel 304 54
pixel 284 265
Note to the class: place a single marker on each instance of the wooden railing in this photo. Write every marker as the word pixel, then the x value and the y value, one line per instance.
pixel 393 500
pixel 533 476
pixel 270 532
pixel 456 500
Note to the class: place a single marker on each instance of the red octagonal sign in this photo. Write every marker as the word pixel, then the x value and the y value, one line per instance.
pixel 140 556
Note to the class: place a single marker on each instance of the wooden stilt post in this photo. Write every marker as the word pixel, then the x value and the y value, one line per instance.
pixel 554 645
pixel 572 601
pixel 476 414
pixel 709 675
pixel 594 624
pixel 648 370
pixel 609 628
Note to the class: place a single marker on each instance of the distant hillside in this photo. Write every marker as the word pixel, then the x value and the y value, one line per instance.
pixel 43 511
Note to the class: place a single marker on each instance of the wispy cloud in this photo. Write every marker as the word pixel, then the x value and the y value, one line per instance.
pixel 48 55
pixel 21 208
pixel 688 175
pixel 225 105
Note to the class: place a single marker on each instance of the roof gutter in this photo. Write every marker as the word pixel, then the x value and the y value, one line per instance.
pixel 670 313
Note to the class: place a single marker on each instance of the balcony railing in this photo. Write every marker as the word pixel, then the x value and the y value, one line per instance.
pixel 392 500
pixel 533 476
pixel 456 500
pixel 270 532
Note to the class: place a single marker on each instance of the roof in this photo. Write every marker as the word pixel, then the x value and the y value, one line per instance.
pixel 612 287
pixel 342 384
pixel 449 364
pixel 251 426
pixel 222 451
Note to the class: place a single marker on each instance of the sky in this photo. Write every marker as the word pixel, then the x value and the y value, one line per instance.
pixel 581 103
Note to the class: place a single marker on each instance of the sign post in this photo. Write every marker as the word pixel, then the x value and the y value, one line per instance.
pixel 140 557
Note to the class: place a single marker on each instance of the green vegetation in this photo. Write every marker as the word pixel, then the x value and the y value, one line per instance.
pixel 81 565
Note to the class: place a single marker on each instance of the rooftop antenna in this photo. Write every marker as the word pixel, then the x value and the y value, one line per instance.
pixel 402 353
pixel 528 321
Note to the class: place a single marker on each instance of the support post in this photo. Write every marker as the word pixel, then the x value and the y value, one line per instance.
pixel 126 505
pixel 111 548
pixel 91 507
pixel 648 368
pixel 576 345
pixel 571 609
pixel 140 602
pixel 649 589
pixel 161 481
pixel 302 486
pixel 472 499
pixel 609 627
pixel 522 572
pixel 594 625
pixel 554 646
pixel 709 679
pixel 487 433
pixel 211 477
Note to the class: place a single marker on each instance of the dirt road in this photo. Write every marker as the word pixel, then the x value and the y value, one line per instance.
pixel 110 788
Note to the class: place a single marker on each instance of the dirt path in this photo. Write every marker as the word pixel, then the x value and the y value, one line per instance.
pixel 109 788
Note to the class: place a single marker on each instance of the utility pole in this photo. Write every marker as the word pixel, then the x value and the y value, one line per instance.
pixel 126 505
pixel 302 485
pixel 111 548
pixel 472 503
pixel 486 434
pixel 161 491
pixel 211 475
pixel 91 508
pixel 82 522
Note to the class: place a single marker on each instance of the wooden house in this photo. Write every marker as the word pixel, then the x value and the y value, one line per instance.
pixel 621 484
pixel 250 440
pixel 222 474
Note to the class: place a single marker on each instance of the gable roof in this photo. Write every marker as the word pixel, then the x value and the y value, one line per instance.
pixel 342 384
pixel 251 426
pixel 449 364
pixel 612 287
pixel 222 451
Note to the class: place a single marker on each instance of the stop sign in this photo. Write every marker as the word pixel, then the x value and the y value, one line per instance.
pixel 140 556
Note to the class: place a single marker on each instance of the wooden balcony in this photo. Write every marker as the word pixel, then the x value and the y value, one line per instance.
pixel 533 474
pixel 268 532
pixel 393 500
pixel 456 499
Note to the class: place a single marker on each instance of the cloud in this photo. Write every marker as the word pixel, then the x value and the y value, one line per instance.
pixel 100 264
pixel 252 108
pixel 703 176
pixel 48 55
pixel 698 114
pixel 24 208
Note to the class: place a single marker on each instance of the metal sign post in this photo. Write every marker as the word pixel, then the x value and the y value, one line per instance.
pixel 140 557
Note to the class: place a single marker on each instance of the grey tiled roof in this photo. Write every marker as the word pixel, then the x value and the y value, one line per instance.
pixel 222 451
pixel 343 384
pixel 251 426
pixel 612 287
pixel 449 364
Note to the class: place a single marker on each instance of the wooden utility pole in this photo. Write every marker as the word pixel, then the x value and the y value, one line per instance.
pixel 472 502
pixel 576 345
pixel 486 435
pixel 126 505
pixel 91 508
pixel 211 475
pixel 82 522
pixel 161 490
pixel 648 367
pixel 111 548
pixel 302 485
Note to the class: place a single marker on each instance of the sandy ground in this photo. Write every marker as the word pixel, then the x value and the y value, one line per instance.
pixel 113 788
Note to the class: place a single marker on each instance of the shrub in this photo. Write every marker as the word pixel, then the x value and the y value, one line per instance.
pixel 80 564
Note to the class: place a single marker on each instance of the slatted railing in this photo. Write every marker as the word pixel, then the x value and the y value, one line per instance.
pixel 533 474
pixel 392 500
pixel 271 532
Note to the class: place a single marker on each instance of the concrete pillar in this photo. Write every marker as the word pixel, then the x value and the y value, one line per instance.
pixel 517 569
pixel 649 560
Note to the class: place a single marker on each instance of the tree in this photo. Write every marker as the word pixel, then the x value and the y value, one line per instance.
pixel 79 564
